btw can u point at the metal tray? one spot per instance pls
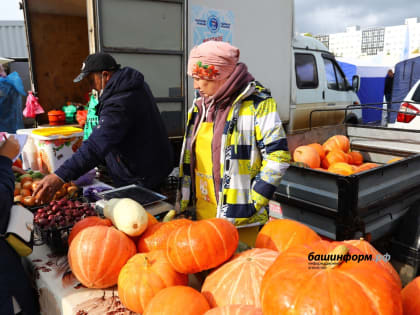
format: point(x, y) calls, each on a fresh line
point(140, 194)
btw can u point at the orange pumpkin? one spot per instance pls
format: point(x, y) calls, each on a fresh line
point(352, 287)
point(365, 167)
point(143, 276)
point(86, 222)
point(239, 280)
point(235, 310)
point(333, 157)
point(156, 236)
point(410, 297)
point(308, 155)
point(202, 245)
point(357, 157)
point(394, 160)
point(97, 254)
point(341, 169)
point(151, 220)
point(367, 248)
point(177, 300)
point(282, 234)
point(337, 142)
point(318, 148)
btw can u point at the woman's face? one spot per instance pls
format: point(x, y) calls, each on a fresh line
point(208, 87)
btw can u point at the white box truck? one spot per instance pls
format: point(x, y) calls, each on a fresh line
point(155, 37)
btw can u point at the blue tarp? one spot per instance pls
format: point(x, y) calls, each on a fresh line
point(372, 81)
point(11, 90)
point(407, 73)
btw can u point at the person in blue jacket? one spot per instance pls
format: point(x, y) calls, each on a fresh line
point(13, 281)
point(130, 138)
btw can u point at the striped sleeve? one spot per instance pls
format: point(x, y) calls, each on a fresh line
point(271, 137)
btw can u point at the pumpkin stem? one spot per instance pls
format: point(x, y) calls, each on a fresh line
point(339, 251)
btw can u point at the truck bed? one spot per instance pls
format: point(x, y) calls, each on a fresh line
point(371, 202)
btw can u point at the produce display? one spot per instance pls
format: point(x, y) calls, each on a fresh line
point(26, 184)
point(62, 213)
point(410, 297)
point(177, 300)
point(127, 215)
point(143, 276)
point(334, 156)
point(279, 235)
point(98, 253)
point(239, 280)
point(353, 287)
point(153, 263)
point(202, 245)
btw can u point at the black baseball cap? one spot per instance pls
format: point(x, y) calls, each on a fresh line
point(96, 63)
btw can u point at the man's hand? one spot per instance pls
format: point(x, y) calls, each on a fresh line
point(10, 148)
point(18, 170)
point(47, 187)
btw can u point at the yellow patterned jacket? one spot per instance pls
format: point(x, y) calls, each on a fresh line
point(253, 158)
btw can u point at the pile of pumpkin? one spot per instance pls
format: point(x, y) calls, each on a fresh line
point(151, 262)
point(333, 156)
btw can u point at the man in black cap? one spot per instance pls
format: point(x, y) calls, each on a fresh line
point(130, 137)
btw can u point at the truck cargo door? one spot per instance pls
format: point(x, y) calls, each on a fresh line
point(148, 36)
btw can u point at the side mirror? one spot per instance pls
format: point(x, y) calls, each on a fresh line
point(355, 83)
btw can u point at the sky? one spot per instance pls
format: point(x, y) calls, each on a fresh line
point(314, 16)
point(9, 10)
point(332, 16)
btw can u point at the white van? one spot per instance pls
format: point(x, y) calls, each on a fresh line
point(318, 84)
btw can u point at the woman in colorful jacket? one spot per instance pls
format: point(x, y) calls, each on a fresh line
point(235, 148)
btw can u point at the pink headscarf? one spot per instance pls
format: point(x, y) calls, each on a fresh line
point(213, 60)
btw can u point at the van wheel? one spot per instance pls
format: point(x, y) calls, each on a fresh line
point(351, 119)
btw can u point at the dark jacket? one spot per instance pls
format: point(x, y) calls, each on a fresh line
point(13, 281)
point(388, 85)
point(130, 137)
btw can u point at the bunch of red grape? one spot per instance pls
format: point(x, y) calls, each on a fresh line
point(62, 213)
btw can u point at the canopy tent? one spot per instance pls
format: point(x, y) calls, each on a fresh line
point(372, 81)
point(407, 73)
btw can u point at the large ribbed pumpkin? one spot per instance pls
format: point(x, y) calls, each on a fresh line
point(239, 280)
point(177, 300)
point(367, 248)
point(308, 155)
point(365, 167)
point(156, 236)
point(143, 276)
point(235, 310)
point(351, 287)
point(341, 169)
point(337, 142)
point(357, 158)
point(411, 297)
point(97, 254)
point(88, 221)
point(335, 156)
point(318, 148)
point(202, 245)
point(281, 234)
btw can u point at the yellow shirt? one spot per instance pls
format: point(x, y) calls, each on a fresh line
point(206, 206)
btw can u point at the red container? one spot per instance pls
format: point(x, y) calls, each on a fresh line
point(56, 117)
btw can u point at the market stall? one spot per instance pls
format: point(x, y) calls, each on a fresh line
point(59, 290)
